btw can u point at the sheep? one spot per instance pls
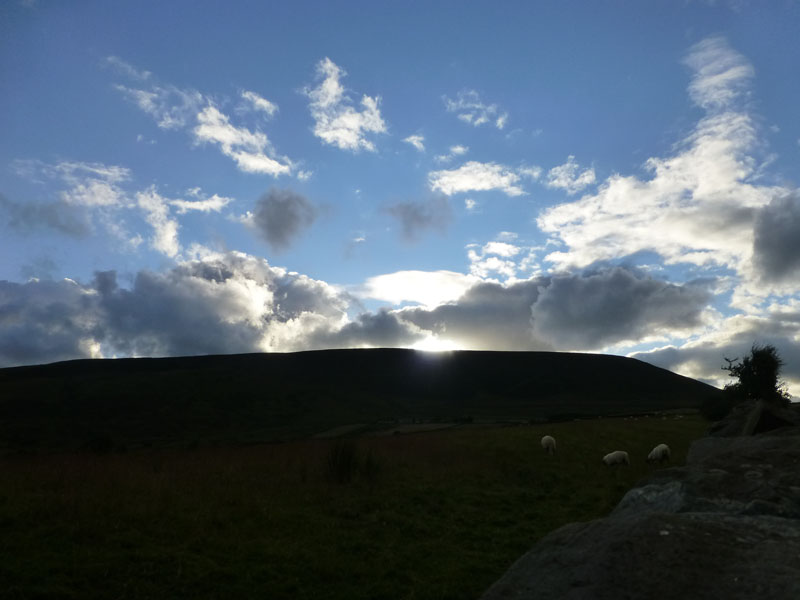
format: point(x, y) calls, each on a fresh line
point(618, 457)
point(659, 454)
point(549, 444)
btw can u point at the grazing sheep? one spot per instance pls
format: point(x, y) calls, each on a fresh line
point(659, 454)
point(549, 444)
point(618, 457)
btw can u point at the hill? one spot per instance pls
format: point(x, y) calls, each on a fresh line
point(270, 397)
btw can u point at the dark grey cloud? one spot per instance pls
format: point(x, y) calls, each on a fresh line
point(597, 309)
point(705, 360)
point(45, 321)
point(233, 302)
point(226, 304)
point(31, 216)
point(776, 243)
point(567, 312)
point(280, 216)
point(488, 316)
point(415, 218)
point(382, 329)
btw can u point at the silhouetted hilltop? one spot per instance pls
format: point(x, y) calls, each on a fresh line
point(262, 397)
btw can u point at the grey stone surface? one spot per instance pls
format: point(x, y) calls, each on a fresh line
point(726, 525)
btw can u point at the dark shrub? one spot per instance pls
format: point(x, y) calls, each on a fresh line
point(716, 408)
point(342, 461)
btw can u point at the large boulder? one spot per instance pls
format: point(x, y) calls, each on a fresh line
point(660, 555)
point(754, 417)
point(726, 525)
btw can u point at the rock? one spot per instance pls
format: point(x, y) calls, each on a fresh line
point(661, 555)
point(749, 418)
point(726, 525)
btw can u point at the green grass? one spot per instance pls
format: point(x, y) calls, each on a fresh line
point(434, 515)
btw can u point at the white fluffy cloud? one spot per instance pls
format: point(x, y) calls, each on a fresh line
point(698, 206)
point(720, 75)
point(336, 121)
point(127, 69)
point(568, 177)
point(259, 103)
point(417, 141)
point(454, 151)
point(156, 209)
point(469, 108)
point(213, 204)
point(493, 258)
point(171, 107)
point(476, 176)
point(428, 288)
point(176, 108)
point(250, 150)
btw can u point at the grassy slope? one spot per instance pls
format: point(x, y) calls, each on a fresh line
point(261, 397)
point(441, 516)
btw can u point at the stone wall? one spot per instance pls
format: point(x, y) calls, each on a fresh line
point(726, 525)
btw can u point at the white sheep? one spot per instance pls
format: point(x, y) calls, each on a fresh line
point(659, 454)
point(549, 444)
point(618, 457)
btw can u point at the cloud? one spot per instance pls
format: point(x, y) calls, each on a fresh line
point(488, 316)
point(703, 357)
point(476, 176)
point(493, 257)
point(219, 304)
point(336, 122)
point(569, 312)
point(91, 185)
point(470, 109)
point(94, 192)
point(721, 76)
point(280, 216)
point(697, 207)
point(260, 104)
point(429, 288)
point(28, 217)
point(171, 107)
point(417, 141)
point(215, 303)
point(176, 108)
point(776, 243)
point(454, 151)
point(415, 217)
point(233, 302)
point(156, 209)
point(594, 310)
point(126, 69)
point(566, 177)
point(382, 329)
point(501, 249)
point(251, 151)
point(45, 321)
point(213, 204)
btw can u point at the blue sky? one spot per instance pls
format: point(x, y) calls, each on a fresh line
point(202, 177)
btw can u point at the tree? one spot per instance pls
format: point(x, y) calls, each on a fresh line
point(758, 376)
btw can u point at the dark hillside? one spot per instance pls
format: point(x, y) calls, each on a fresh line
point(263, 397)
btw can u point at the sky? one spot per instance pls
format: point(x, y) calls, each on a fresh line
point(203, 177)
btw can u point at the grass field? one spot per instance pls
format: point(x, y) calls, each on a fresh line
point(430, 515)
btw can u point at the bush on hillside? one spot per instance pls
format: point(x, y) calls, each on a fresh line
point(758, 377)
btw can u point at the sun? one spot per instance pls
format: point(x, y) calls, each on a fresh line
point(434, 344)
